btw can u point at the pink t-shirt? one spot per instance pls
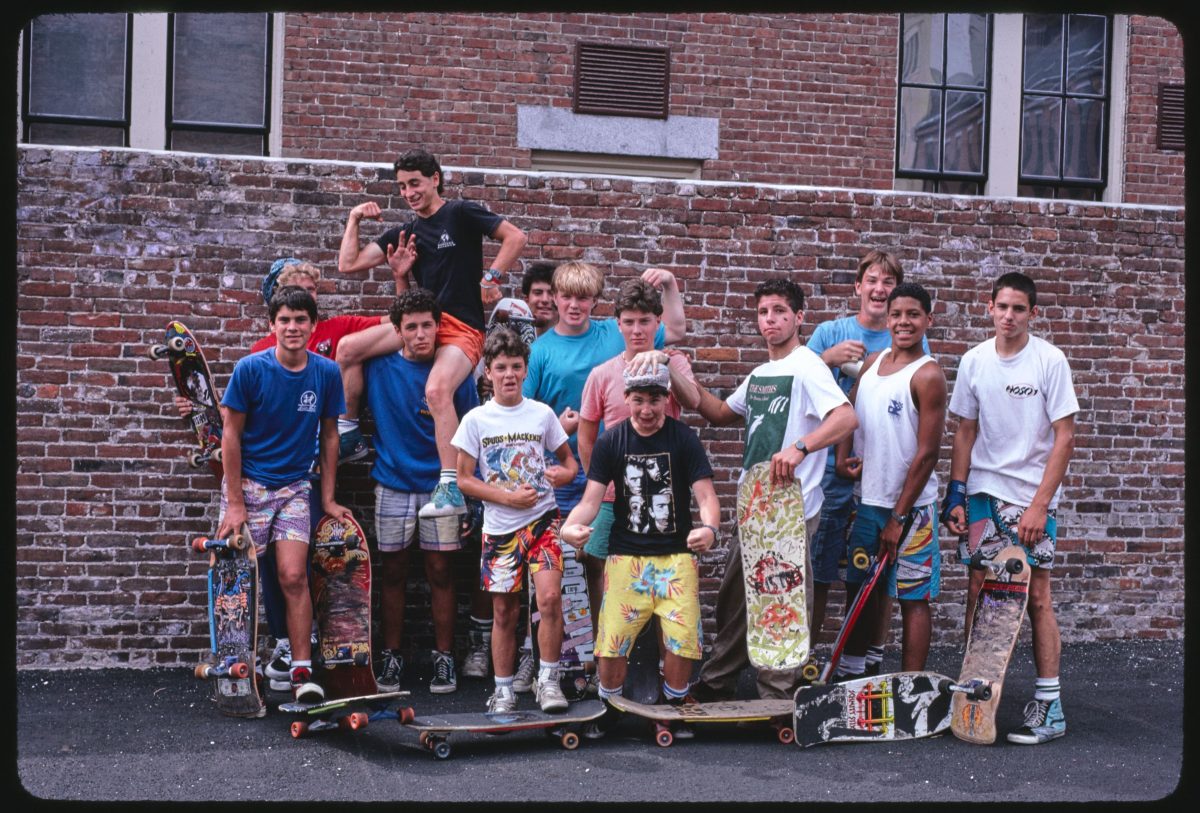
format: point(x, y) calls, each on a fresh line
point(604, 395)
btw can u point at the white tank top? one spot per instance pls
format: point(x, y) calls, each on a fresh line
point(888, 421)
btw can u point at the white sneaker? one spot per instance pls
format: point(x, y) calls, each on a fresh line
point(502, 700)
point(526, 674)
point(476, 664)
point(549, 694)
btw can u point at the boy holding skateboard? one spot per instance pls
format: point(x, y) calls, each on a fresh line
point(406, 471)
point(843, 344)
point(651, 568)
point(507, 438)
point(1016, 406)
point(793, 412)
point(900, 401)
point(442, 249)
point(274, 404)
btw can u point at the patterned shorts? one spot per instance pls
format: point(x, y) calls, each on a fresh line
point(274, 513)
point(637, 587)
point(506, 556)
point(992, 525)
point(396, 523)
point(917, 572)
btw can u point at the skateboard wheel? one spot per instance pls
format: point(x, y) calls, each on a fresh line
point(237, 541)
point(441, 750)
point(196, 460)
point(202, 671)
point(239, 670)
point(1014, 565)
point(664, 738)
point(357, 720)
point(786, 735)
point(860, 559)
point(570, 740)
point(216, 455)
point(406, 715)
point(157, 351)
point(177, 343)
point(299, 729)
point(810, 672)
point(423, 739)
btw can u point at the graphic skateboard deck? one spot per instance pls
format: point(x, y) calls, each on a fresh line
point(511, 313)
point(772, 534)
point(642, 679)
point(346, 712)
point(995, 624)
point(341, 590)
point(897, 706)
point(232, 589)
point(777, 712)
point(194, 382)
point(578, 636)
point(435, 730)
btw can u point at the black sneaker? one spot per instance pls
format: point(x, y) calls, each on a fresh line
point(389, 670)
point(279, 668)
point(444, 678)
point(703, 693)
point(872, 669)
point(351, 446)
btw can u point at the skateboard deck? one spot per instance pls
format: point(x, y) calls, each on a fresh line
point(578, 637)
point(194, 382)
point(435, 730)
point(772, 534)
point(346, 712)
point(642, 679)
point(897, 706)
point(511, 313)
point(995, 624)
point(776, 711)
point(341, 590)
point(232, 589)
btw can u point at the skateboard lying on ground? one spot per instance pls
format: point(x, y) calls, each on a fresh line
point(341, 591)
point(346, 712)
point(436, 729)
point(772, 534)
point(578, 638)
point(999, 609)
point(232, 588)
point(642, 679)
point(898, 706)
point(777, 712)
point(193, 380)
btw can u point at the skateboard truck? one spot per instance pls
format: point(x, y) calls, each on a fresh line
point(229, 667)
point(974, 689)
point(977, 562)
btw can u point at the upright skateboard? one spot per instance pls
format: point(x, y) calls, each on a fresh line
point(193, 380)
point(341, 590)
point(776, 712)
point(899, 706)
point(642, 679)
point(435, 730)
point(346, 712)
point(995, 623)
point(771, 529)
point(232, 588)
point(578, 638)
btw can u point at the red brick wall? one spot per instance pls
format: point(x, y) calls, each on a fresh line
point(113, 244)
point(1155, 58)
point(802, 99)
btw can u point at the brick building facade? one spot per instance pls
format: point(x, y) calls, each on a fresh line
point(113, 243)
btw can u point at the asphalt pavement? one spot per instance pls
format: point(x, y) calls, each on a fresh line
point(154, 735)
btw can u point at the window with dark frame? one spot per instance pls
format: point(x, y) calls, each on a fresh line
point(76, 79)
point(218, 83)
point(1065, 106)
point(622, 80)
point(943, 107)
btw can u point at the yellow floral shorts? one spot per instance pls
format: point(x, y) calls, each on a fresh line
point(637, 587)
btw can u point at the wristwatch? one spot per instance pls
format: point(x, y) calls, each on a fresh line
point(716, 533)
point(491, 277)
point(899, 517)
point(803, 449)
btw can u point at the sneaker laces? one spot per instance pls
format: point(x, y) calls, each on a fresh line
point(441, 667)
point(282, 647)
point(1035, 713)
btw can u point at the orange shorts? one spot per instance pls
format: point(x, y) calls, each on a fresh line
point(461, 335)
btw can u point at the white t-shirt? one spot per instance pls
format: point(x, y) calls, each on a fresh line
point(1015, 400)
point(887, 434)
point(782, 401)
point(510, 445)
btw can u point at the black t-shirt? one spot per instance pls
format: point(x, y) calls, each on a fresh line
point(450, 255)
point(652, 512)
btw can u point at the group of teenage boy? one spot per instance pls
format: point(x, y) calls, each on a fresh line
point(579, 440)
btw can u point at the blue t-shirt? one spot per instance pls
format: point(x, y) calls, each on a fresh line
point(283, 412)
point(559, 365)
point(406, 457)
point(827, 334)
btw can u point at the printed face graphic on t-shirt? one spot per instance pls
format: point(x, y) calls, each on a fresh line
point(647, 483)
point(515, 459)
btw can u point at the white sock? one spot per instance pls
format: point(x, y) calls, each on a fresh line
point(852, 665)
point(546, 669)
point(1046, 688)
point(346, 424)
point(448, 476)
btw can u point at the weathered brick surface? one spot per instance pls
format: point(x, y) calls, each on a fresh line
point(113, 244)
point(1155, 58)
